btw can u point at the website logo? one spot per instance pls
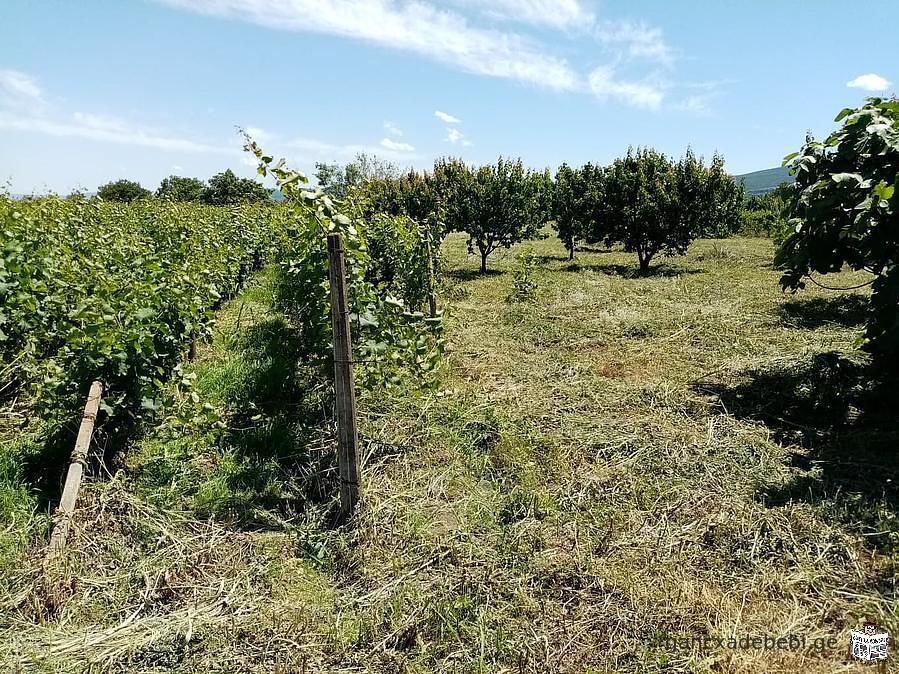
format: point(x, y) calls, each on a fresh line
point(869, 644)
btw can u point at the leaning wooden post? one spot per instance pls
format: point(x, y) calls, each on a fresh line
point(66, 507)
point(344, 385)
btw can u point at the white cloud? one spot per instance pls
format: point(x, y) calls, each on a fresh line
point(636, 40)
point(393, 129)
point(699, 96)
point(553, 13)
point(312, 148)
point(393, 145)
point(446, 117)
point(456, 137)
point(696, 105)
point(108, 129)
point(101, 122)
point(870, 82)
point(19, 89)
point(257, 134)
point(22, 108)
point(440, 34)
point(604, 85)
point(427, 28)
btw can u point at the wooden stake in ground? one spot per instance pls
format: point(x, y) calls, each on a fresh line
point(66, 507)
point(344, 385)
point(432, 299)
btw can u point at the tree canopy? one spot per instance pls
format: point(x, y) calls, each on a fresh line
point(226, 189)
point(123, 190)
point(412, 194)
point(497, 205)
point(640, 208)
point(845, 212)
point(336, 180)
point(577, 199)
point(178, 188)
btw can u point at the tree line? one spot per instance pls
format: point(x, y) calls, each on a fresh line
point(646, 201)
point(222, 189)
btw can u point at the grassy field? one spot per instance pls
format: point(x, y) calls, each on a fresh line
point(616, 461)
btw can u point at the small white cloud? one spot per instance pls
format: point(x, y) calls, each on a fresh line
point(314, 148)
point(696, 105)
point(101, 122)
point(869, 82)
point(456, 137)
point(393, 129)
point(636, 40)
point(446, 117)
point(257, 134)
point(604, 84)
point(395, 146)
point(177, 167)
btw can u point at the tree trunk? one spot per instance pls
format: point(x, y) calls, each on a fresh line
point(484, 261)
point(645, 259)
point(570, 249)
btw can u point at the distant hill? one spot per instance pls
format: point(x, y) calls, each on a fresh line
point(762, 182)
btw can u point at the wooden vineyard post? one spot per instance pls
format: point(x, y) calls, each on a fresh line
point(432, 299)
point(76, 471)
point(344, 385)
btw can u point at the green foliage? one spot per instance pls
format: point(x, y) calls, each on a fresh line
point(542, 185)
point(390, 340)
point(398, 247)
point(102, 290)
point(646, 201)
point(576, 204)
point(496, 205)
point(123, 190)
point(336, 181)
point(654, 205)
point(178, 188)
point(641, 206)
point(845, 211)
point(413, 194)
point(768, 214)
point(227, 189)
point(524, 287)
point(566, 207)
point(718, 211)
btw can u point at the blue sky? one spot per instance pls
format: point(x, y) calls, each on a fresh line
point(96, 90)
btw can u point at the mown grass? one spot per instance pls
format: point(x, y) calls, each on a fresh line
point(616, 460)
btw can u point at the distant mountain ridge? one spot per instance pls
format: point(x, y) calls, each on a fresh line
point(762, 182)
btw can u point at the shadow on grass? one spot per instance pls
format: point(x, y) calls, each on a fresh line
point(843, 416)
point(544, 259)
point(810, 313)
point(632, 271)
point(470, 274)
